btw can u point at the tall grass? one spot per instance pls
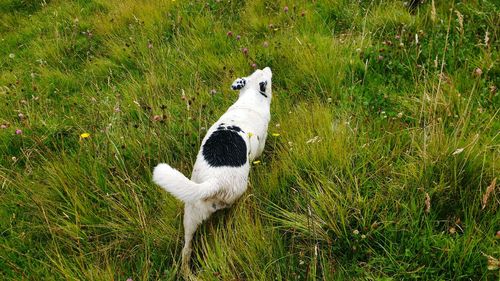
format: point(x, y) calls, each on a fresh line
point(383, 139)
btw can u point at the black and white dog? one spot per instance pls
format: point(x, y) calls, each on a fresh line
point(220, 173)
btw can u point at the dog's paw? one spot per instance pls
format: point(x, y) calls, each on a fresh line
point(238, 84)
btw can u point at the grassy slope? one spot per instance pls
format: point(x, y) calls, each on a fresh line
point(389, 114)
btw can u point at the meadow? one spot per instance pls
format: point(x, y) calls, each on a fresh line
point(382, 160)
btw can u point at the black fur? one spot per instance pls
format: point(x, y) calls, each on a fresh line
point(262, 90)
point(239, 84)
point(225, 148)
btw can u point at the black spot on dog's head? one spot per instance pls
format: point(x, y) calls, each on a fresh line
point(262, 88)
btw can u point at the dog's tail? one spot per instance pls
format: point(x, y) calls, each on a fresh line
point(181, 187)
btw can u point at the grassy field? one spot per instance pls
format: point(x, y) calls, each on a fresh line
point(382, 164)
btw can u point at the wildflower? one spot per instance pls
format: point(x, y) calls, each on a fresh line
point(157, 118)
point(245, 51)
point(21, 116)
point(355, 232)
point(489, 191)
point(493, 263)
point(380, 57)
point(11, 55)
point(497, 235)
point(275, 134)
point(303, 13)
point(329, 100)
point(452, 230)
point(363, 236)
point(427, 203)
point(278, 125)
point(238, 37)
point(254, 65)
point(493, 89)
point(150, 45)
point(265, 44)
point(229, 33)
point(117, 109)
point(19, 132)
point(3, 126)
point(84, 135)
point(256, 162)
point(213, 91)
point(130, 279)
point(285, 9)
point(400, 114)
point(478, 71)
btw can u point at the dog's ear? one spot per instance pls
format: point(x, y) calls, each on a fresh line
point(238, 84)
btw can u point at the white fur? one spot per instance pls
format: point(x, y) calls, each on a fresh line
point(214, 188)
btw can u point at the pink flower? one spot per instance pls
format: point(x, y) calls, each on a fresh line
point(254, 65)
point(19, 131)
point(238, 37)
point(245, 51)
point(285, 9)
point(3, 126)
point(229, 33)
point(129, 279)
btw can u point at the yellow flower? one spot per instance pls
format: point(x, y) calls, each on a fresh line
point(84, 135)
point(250, 134)
point(275, 135)
point(256, 162)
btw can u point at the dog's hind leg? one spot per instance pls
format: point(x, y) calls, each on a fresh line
point(192, 219)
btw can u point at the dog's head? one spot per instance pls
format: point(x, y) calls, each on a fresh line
point(258, 83)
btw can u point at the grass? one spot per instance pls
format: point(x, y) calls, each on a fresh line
point(388, 123)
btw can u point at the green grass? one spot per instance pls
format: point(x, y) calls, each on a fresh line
point(370, 124)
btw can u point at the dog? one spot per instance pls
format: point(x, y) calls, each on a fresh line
point(220, 173)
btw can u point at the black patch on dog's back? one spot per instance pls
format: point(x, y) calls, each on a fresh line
point(235, 128)
point(225, 148)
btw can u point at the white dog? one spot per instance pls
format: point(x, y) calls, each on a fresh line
point(220, 173)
